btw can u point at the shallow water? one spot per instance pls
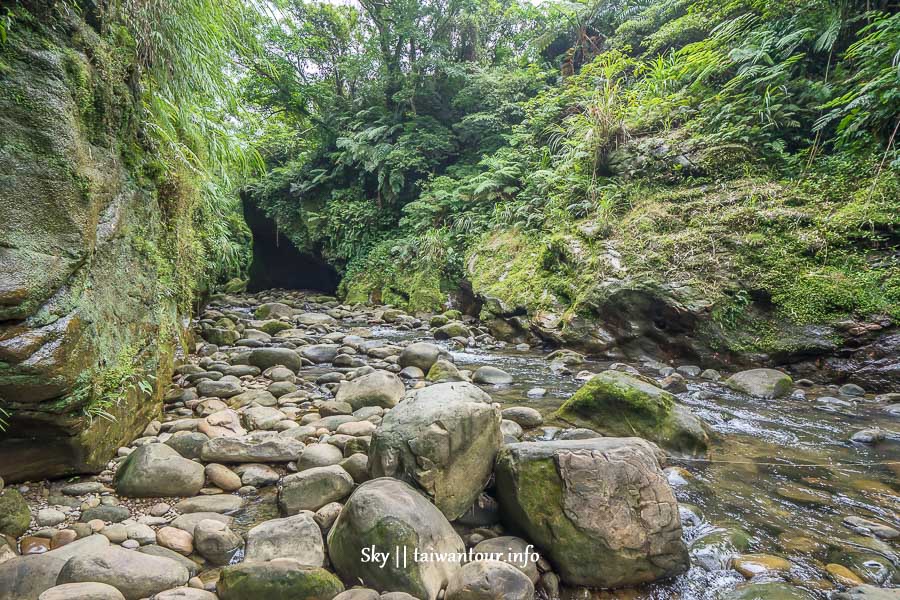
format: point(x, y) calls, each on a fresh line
point(783, 472)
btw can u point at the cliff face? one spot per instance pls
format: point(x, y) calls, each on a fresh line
point(86, 327)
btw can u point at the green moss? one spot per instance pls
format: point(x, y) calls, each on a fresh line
point(15, 517)
point(620, 404)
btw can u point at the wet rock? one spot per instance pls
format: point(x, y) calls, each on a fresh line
point(390, 514)
point(761, 383)
point(379, 388)
point(843, 576)
point(298, 537)
point(768, 591)
point(314, 488)
point(216, 542)
point(157, 470)
point(279, 580)
point(443, 439)
point(273, 310)
point(868, 436)
point(422, 355)
point(134, 574)
point(601, 510)
point(751, 565)
point(870, 527)
point(536, 392)
point(618, 404)
point(491, 376)
point(452, 330)
point(851, 389)
point(869, 592)
point(489, 580)
point(252, 449)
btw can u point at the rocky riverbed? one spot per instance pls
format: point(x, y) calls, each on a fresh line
point(313, 450)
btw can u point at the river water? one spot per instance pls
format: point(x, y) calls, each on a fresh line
point(780, 476)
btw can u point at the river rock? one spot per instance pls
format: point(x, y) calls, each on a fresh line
point(187, 523)
point(15, 516)
point(298, 537)
point(222, 423)
point(187, 443)
point(390, 514)
point(252, 448)
point(262, 417)
point(422, 355)
point(222, 477)
point(768, 591)
point(216, 542)
point(869, 592)
point(82, 591)
point(514, 551)
point(618, 404)
point(379, 388)
point(319, 455)
point(134, 574)
point(270, 357)
point(277, 581)
point(314, 488)
point(273, 310)
point(319, 353)
point(525, 416)
point(761, 383)
point(442, 371)
point(185, 593)
point(27, 577)
point(489, 580)
point(156, 470)
point(217, 503)
point(491, 376)
point(444, 440)
point(601, 510)
point(224, 388)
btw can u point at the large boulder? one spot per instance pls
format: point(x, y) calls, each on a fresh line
point(319, 353)
point(444, 440)
point(422, 355)
point(395, 519)
point(157, 470)
point(618, 404)
point(82, 591)
point(761, 383)
point(314, 488)
point(27, 577)
point(277, 581)
point(298, 537)
point(134, 574)
point(379, 388)
point(600, 509)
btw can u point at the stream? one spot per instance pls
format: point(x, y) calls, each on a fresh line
point(780, 476)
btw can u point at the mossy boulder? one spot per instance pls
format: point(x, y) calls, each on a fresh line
point(443, 370)
point(277, 581)
point(761, 383)
point(396, 519)
point(452, 330)
point(600, 510)
point(273, 326)
point(15, 517)
point(618, 404)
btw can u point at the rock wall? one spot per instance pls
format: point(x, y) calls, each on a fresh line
point(86, 325)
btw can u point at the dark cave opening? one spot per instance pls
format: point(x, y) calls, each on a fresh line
point(277, 263)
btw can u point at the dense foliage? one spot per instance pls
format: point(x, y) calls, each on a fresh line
point(417, 143)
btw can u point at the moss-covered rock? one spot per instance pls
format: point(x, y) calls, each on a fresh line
point(600, 510)
point(618, 404)
point(443, 370)
point(274, 581)
point(88, 315)
point(15, 517)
